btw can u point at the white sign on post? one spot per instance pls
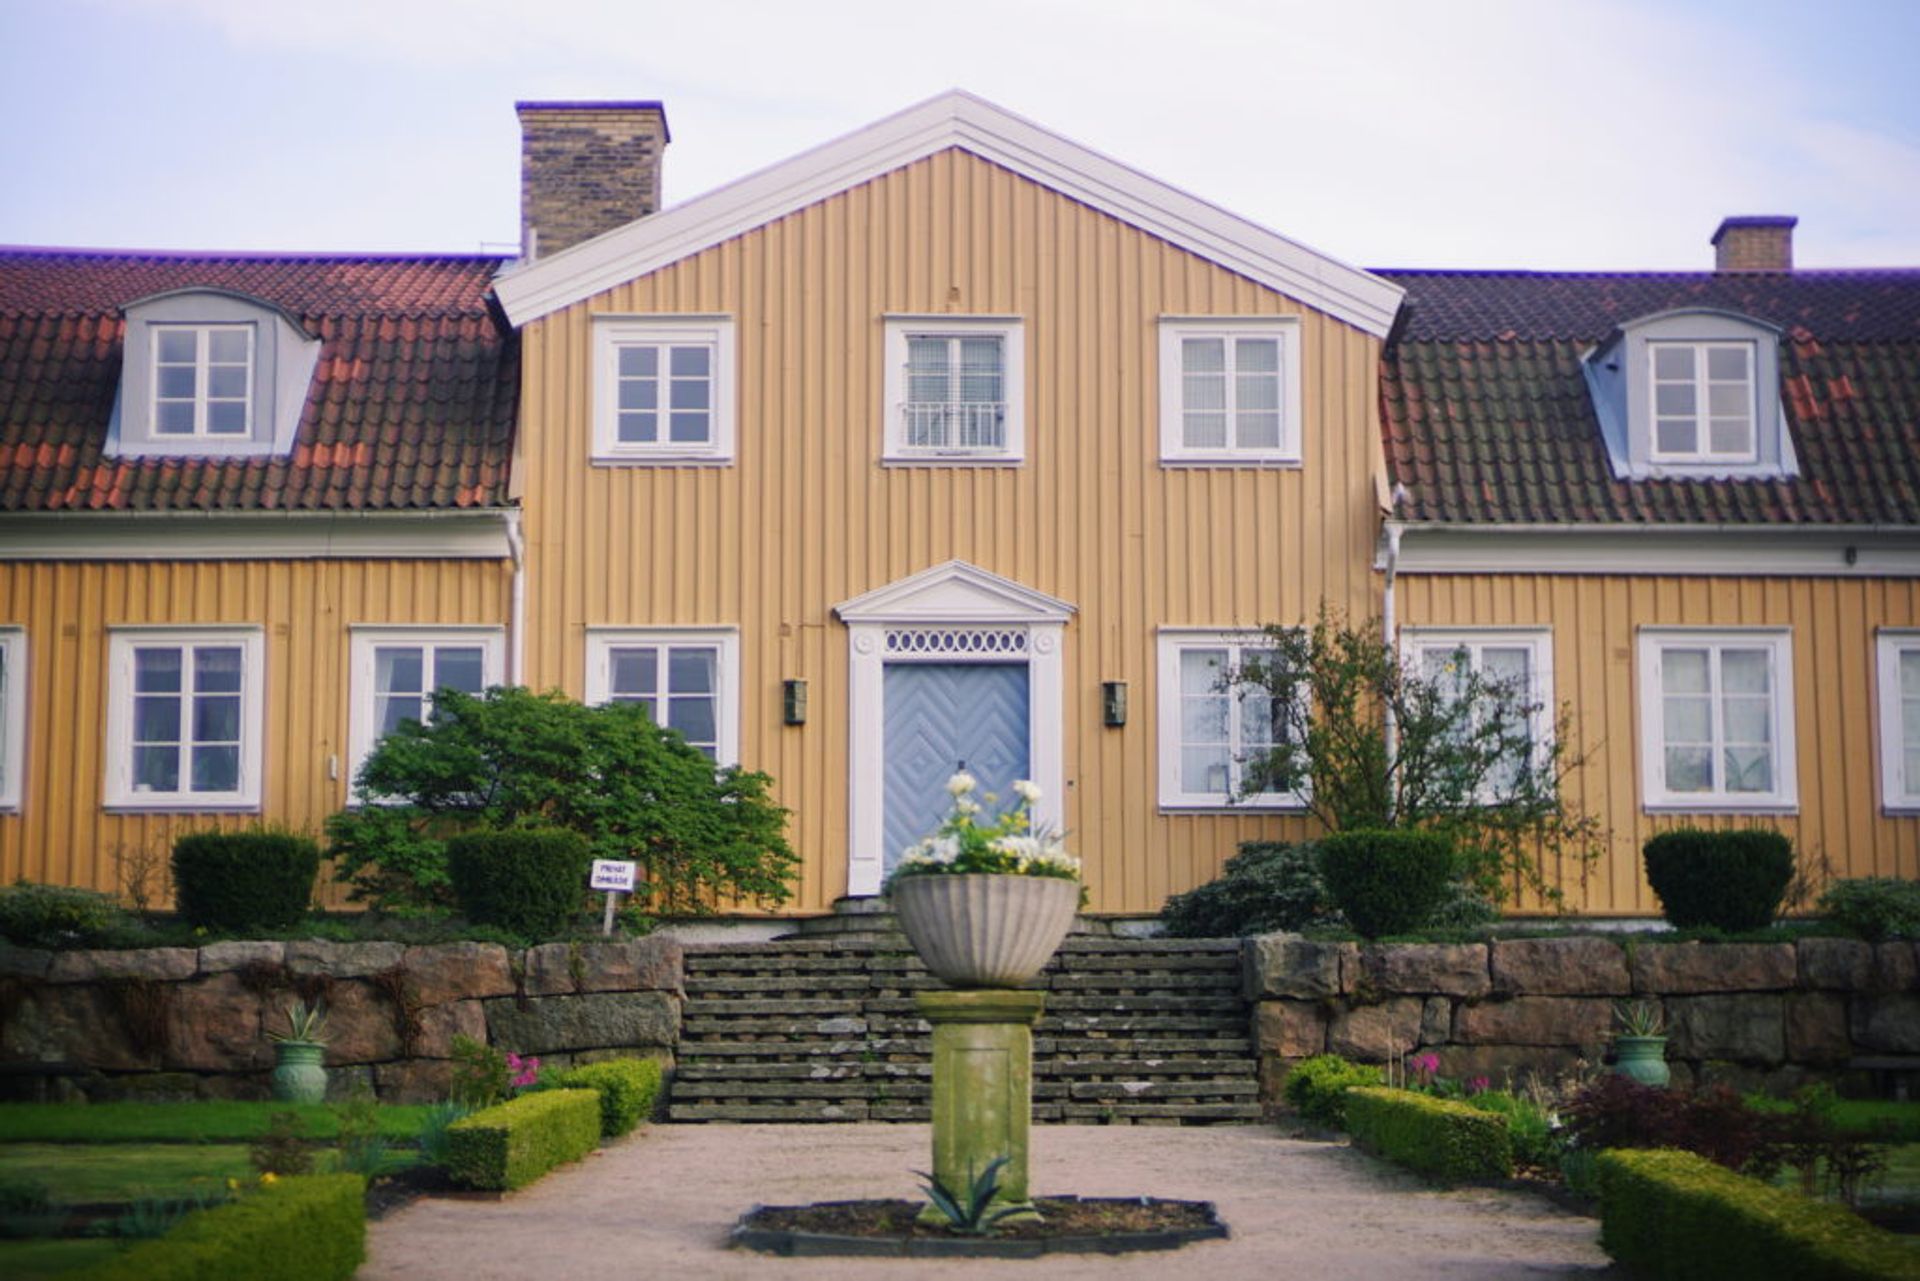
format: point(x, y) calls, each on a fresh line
point(615, 876)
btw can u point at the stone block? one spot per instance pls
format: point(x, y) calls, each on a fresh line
point(216, 1025)
point(1436, 1021)
point(218, 958)
point(1841, 965)
point(1747, 1029)
point(1745, 1078)
point(1887, 1024)
point(1817, 1028)
point(551, 969)
point(1560, 967)
point(593, 1021)
point(1290, 1029)
point(163, 964)
point(439, 1024)
point(1450, 969)
point(1894, 967)
point(360, 1025)
point(147, 1087)
point(72, 1023)
point(1508, 1065)
point(458, 971)
point(342, 960)
point(1535, 1020)
point(344, 1083)
point(1374, 1033)
point(651, 964)
point(23, 962)
point(413, 1080)
point(1666, 969)
point(1286, 965)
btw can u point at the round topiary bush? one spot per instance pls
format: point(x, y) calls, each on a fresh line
point(531, 880)
point(56, 916)
point(1266, 887)
point(258, 879)
point(1387, 882)
point(1731, 881)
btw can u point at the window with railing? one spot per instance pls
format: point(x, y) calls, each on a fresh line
point(953, 390)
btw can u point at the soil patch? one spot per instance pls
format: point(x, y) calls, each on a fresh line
point(1073, 1225)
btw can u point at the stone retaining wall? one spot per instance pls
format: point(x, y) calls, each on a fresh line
point(192, 1022)
point(1754, 1015)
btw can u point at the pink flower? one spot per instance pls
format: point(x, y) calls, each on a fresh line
point(1479, 1085)
point(526, 1071)
point(1427, 1066)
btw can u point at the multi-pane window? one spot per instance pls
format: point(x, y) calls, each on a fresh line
point(1703, 400)
point(686, 679)
point(1229, 390)
point(13, 714)
point(202, 380)
point(184, 718)
point(1514, 666)
point(1899, 673)
point(953, 390)
point(1717, 719)
point(663, 389)
point(397, 670)
point(1211, 729)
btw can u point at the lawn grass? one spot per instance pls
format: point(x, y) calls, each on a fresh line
point(83, 1173)
point(211, 1122)
point(33, 1260)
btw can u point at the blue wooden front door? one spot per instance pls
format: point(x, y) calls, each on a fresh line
point(939, 715)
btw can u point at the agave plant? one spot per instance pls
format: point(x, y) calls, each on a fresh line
point(1639, 1018)
point(975, 1215)
point(305, 1023)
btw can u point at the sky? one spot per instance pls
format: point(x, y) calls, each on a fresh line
point(1546, 134)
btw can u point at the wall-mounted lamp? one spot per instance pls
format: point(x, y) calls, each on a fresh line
point(1113, 702)
point(793, 701)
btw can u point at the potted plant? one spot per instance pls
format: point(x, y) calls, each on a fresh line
point(1640, 1046)
point(986, 903)
point(299, 1070)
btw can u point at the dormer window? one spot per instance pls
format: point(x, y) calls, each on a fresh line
point(202, 380)
point(1703, 408)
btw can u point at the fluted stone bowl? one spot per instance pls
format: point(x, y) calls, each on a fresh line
point(983, 930)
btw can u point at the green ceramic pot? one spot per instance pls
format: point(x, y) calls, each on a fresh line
point(299, 1072)
point(1642, 1059)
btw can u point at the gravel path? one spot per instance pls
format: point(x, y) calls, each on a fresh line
point(658, 1204)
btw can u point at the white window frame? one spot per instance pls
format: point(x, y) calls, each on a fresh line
point(602, 641)
point(610, 334)
point(1778, 641)
point(13, 717)
point(1172, 642)
point(121, 643)
point(1012, 332)
point(1889, 644)
point(1537, 640)
point(365, 638)
point(1174, 331)
point(203, 387)
point(1702, 417)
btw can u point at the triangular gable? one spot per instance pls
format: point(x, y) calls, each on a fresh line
point(955, 592)
point(954, 119)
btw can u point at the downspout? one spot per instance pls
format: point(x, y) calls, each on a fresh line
point(517, 626)
point(1389, 631)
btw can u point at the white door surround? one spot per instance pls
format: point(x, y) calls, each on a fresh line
point(950, 613)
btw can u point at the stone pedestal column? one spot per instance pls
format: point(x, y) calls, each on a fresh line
point(982, 1084)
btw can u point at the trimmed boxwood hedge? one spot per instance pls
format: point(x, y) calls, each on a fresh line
point(1666, 1213)
point(301, 1228)
point(1318, 1086)
point(531, 880)
point(511, 1144)
point(1731, 880)
point(1442, 1138)
point(627, 1089)
point(249, 880)
point(1388, 881)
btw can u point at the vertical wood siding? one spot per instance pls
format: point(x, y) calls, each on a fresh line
point(1595, 620)
point(60, 833)
point(807, 516)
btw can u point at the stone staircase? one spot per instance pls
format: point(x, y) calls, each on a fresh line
point(1147, 1031)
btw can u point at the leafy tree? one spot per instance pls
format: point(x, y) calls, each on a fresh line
point(633, 789)
point(1384, 744)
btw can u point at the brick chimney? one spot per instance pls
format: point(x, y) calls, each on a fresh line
point(1762, 242)
point(585, 168)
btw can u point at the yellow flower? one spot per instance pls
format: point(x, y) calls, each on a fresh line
point(269, 1177)
point(233, 1185)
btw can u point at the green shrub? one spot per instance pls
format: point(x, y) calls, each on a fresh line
point(1317, 1087)
point(511, 1144)
point(258, 879)
point(1731, 881)
point(57, 916)
point(1442, 1138)
point(307, 1228)
point(1874, 907)
point(1269, 886)
point(627, 1089)
point(530, 880)
point(1673, 1214)
point(1387, 882)
point(1528, 1126)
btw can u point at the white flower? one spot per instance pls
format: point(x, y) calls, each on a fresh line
point(942, 849)
point(962, 783)
point(1029, 791)
point(966, 807)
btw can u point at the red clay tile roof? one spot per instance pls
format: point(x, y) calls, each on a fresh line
point(412, 404)
point(1488, 419)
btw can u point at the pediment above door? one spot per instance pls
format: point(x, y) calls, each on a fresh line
point(956, 592)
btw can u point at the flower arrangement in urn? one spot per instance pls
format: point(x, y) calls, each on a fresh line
point(986, 902)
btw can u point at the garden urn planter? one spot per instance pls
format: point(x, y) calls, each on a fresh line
point(299, 1072)
point(982, 929)
point(1642, 1059)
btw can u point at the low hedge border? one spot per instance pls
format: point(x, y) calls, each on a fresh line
point(1666, 1213)
point(511, 1144)
point(300, 1228)
point(1441, 1138)
point(627, 1087)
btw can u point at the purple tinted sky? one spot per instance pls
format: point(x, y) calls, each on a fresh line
point(1474, 133)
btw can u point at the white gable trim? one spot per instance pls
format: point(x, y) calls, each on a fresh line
point(953, 119)
point(1798, 551)
point(956, 592)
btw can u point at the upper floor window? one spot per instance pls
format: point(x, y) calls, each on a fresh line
point(1515, 667)
point(1211, 729)
point(1899, 673)
point(1230, 390)
point(1703, 407)
point(954, 389)
point(688, 679)
point(202, 379)
point(396, 671)
point(1716, 719)
point(663, 389)
point(13, 715)
point(184, 718)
